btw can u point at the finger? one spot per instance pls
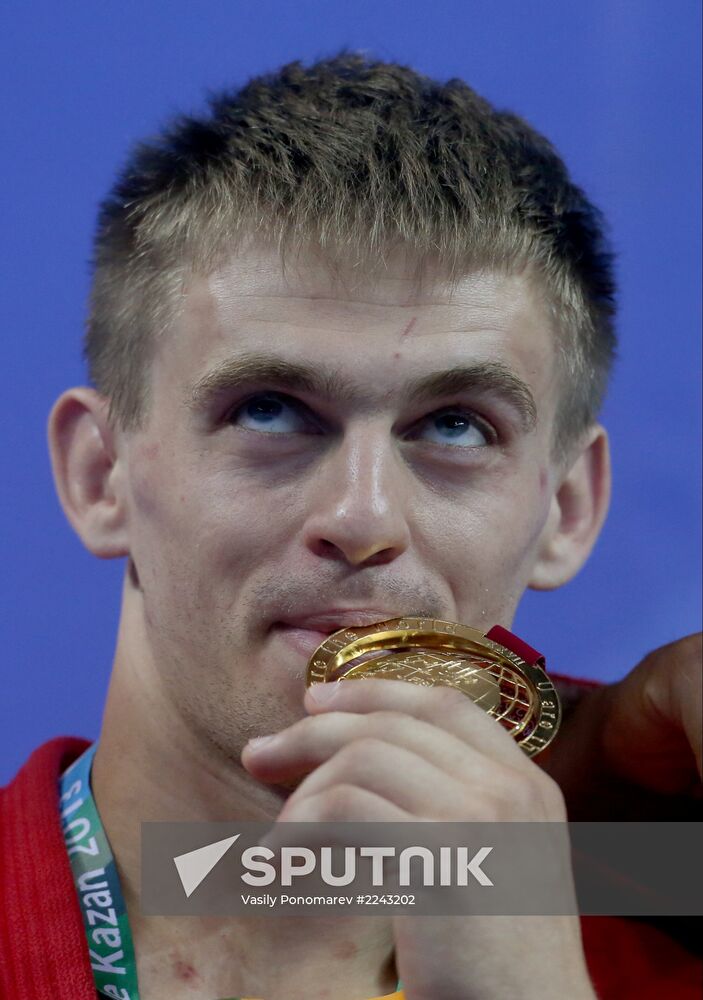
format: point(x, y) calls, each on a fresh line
point(310, 742)
point(678, 694)
point(395, 775)
point(442, 706)
point(340, 804)
point(653, 732)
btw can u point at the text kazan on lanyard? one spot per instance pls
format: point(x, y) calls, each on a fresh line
point(97, 883)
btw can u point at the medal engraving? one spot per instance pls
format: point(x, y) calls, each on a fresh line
point(517, 694)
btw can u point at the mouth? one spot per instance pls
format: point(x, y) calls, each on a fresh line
point(303, 640)
point(306, 635)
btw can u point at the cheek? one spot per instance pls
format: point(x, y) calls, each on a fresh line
point(160, 496)
point(488, 543)
point(159, 516)
point(195, 524)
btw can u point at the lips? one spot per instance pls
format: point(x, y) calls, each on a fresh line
point(306, 632)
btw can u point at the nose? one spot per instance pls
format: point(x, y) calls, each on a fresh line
point(358, 512)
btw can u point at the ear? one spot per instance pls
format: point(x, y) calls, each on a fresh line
point(87, 471)
point(579, 506)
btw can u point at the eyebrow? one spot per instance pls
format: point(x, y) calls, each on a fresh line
point(326, 383)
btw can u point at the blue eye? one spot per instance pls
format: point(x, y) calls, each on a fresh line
point(274, 413)
point(463, 429)
point(266, 412)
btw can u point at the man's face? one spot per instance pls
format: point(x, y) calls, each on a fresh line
point(258, 504)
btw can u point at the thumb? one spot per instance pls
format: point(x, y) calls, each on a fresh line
point(654, 731)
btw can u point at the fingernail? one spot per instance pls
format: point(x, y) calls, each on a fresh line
point(323, 693)
point(256, 742)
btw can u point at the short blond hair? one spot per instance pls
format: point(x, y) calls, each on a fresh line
point(354, 157)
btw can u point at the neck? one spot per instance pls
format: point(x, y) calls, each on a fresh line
point(150, 766)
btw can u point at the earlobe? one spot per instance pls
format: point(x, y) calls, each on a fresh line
point(578, 510)
point(87, 471)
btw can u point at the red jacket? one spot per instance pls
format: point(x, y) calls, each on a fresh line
point(44, 952)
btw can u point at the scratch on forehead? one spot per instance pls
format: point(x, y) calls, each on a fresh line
point(408, 328)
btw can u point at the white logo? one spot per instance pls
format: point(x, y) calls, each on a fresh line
point(196, 865)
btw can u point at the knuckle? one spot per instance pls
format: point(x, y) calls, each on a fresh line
point(303, 726)
point(489, 809)
point(363, 749)
point(552, 797)
point(526, 797)
point(522, 796)
point(389, 717)
point(337, 803)
point(449, 698)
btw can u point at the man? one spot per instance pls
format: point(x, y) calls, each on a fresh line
point(348, 339)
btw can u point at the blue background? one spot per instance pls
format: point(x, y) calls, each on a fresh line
point(614, 83)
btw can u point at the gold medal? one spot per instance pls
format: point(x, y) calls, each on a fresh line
point(515, 692)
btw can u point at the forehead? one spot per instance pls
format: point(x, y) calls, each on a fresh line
point(375, 328)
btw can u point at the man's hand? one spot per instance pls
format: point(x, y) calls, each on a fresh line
point(384, 750)
point(633, 749)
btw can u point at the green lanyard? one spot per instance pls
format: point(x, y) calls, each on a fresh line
point(97, 884)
